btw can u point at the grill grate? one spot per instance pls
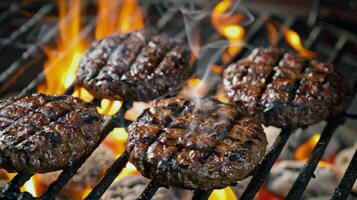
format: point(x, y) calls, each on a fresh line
point(13, 73)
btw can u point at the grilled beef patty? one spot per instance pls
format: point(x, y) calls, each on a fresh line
point(41, 133)
point(138, 66)
point(195, 144)
point(283, 89)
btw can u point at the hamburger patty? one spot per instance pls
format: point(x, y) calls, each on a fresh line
point(138, 66)
point(41, 133)
point(283, 89)
point(195, 144)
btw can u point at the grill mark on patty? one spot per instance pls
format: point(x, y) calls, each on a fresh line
point(146, 65)
point(301, 92)
point(167, 123)
point(298, 81)
point(269, 79)
point(131, 61)
point(198, 139)
point(34, 136)
point(145, 53)
point(102, 44)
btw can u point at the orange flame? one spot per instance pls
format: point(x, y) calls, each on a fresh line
point(272, 33)
point(61, 66)
point(226, 25)
point(304, 151)
point(118, 16)
point(128, 170)
point(116, 140)
point(32, 185)
point(223, 194)
point(294, 41)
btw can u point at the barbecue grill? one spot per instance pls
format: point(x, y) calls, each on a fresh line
point(28, 54)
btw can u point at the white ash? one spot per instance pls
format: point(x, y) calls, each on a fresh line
point(342, 160)
point(130, 188)
point(284, 174)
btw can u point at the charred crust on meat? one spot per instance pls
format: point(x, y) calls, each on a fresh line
point(195, 143)
point(286, 90)
point(138, 66)
point(45, 133)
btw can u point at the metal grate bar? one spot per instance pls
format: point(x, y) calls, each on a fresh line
point(29, 24)
point(201, 194)
point(149, 191)
point(109, 177)
point(308, 171)
point(41, 77)
point(314, 34)
point(344, 188)
point(340, 44)
point(266, 164)
point(16, 183)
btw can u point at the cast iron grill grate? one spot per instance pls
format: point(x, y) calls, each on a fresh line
point(254, 32)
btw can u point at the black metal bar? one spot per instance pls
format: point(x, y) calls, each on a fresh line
point(201, 194)
point(70, 89)
point(266, 164)
point(29, 24)
point(351, 115)
point(313, 35)
point(314, 13)
point(308, 171)
point(340, 44)
point(17, 182)
point(41, 77)
point(149, 191)
point(344, 188)
point(109, 177)
point(30, 53)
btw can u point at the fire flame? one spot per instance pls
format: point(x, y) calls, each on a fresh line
point(223, 194)
point(118, 16)
point(226, 24)
point(116, 140)
point(294, 41)
point(304, 151)
point(60, 68)
point(31, 186)
point(272, 33)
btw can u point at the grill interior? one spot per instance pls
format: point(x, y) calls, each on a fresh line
point(21, 72)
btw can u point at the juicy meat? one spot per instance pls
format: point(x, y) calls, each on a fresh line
point(41, 133)
point(130, 187)
point(138, 66)
point(286, 90)
point(195, 144)
point(87, 176)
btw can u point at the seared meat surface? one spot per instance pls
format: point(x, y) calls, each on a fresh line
point(138, 66)
point(195, 143)
point(283, 89)
point(41, 133)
